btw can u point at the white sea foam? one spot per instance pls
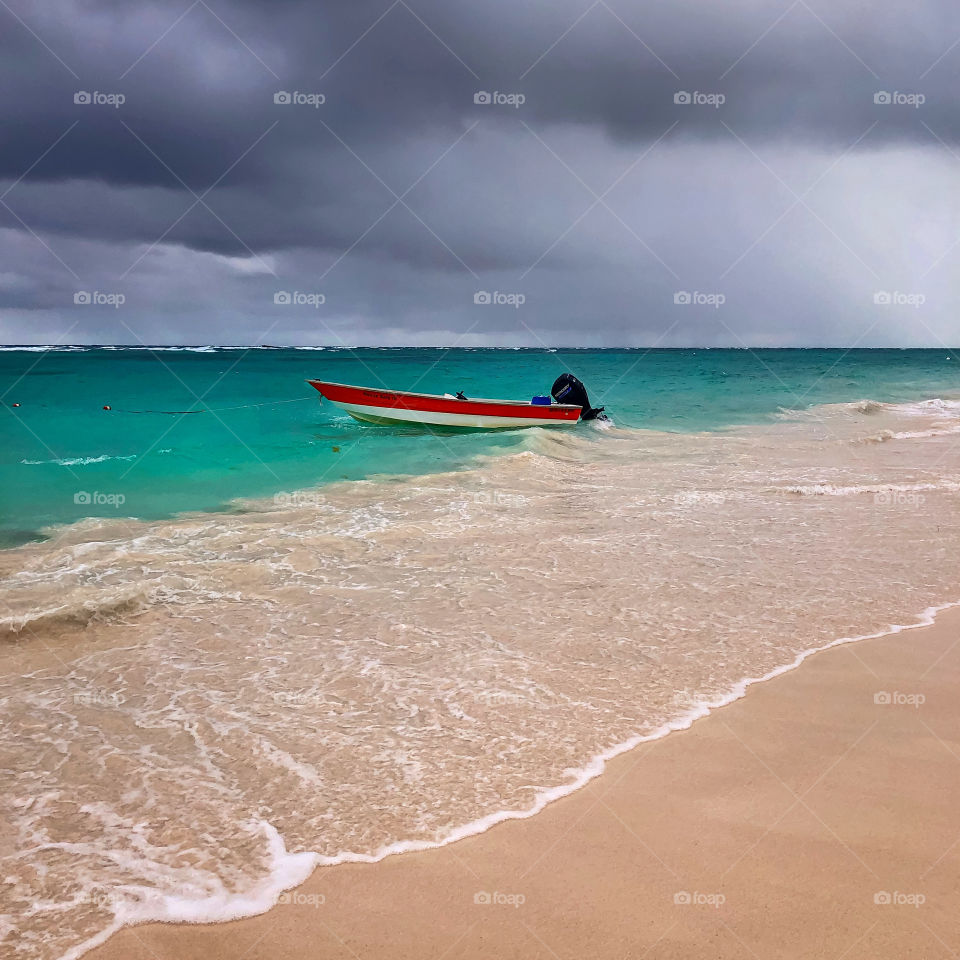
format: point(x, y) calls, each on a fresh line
point(213, 903)
point(941, 430)
point(935, 406)
point(52, 348)
point(79, 461)
point(839, 490)
point(209, 348)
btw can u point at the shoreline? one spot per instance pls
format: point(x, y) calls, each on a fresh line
point(180, 939)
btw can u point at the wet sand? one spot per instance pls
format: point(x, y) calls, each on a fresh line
point(808, 819)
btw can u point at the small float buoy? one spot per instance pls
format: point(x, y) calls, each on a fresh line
point(106, 406)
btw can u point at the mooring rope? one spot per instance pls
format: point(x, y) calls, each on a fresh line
point(242, 406)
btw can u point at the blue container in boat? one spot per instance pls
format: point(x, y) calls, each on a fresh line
point(541, 401)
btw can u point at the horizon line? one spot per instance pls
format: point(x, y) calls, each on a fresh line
point(444, 346)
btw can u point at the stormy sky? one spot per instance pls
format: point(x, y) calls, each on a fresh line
point(692, 172)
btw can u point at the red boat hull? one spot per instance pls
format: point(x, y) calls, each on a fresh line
point(397, 406)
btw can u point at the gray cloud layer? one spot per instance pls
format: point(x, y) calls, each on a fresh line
point(799, 199)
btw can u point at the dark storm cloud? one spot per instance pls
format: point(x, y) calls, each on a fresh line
point(404, 196)
point(204, 94)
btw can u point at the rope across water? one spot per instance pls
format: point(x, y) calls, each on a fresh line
point(242, 406)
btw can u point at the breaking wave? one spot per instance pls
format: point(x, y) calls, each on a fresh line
point(79, 461)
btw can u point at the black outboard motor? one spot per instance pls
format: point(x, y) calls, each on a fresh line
point(568, 389)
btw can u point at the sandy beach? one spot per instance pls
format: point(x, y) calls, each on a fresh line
point(815, 817)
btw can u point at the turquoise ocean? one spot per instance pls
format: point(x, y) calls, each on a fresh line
point(196, 428)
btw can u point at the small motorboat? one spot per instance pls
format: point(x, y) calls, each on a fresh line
point(373, 405)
